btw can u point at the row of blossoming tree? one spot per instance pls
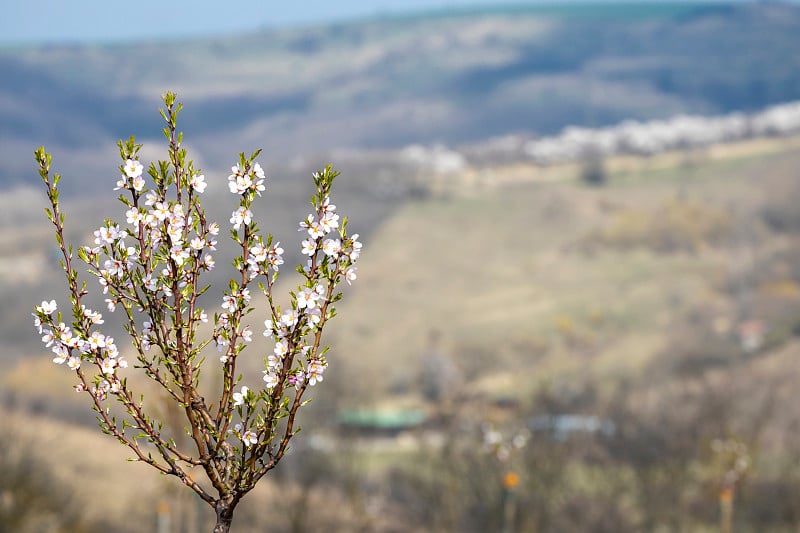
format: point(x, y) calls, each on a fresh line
point(151, 271)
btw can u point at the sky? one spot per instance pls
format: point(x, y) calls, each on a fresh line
point(58, 21)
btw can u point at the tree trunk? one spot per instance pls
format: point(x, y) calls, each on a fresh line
point(224, 517)
point(223, 525)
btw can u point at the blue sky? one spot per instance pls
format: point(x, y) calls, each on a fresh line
point(48, 21)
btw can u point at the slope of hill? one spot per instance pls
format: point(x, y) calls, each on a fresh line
point(542, 279)
point(675, 284)
point(448, 76)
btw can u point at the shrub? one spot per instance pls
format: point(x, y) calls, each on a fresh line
point(151, 272)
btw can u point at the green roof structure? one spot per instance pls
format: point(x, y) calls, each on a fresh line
point(387, 420)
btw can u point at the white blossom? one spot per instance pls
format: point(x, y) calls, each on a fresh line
point(271, 379)
point(198, 183)
point(350, 275)
point(48, 308)
point(332, 247)
point(241, 216)
point(133, 168)
point(240, 397)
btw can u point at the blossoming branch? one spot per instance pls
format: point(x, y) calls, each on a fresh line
point(150, 270)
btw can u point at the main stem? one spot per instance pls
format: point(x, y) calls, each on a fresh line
point(224, 513)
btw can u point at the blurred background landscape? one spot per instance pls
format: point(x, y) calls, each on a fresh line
point(578, 307)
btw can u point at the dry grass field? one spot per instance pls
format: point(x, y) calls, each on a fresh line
point(538, 280)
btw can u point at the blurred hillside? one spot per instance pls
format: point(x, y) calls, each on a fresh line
point(581, 265)
point(665, 302)
point(448, 77)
